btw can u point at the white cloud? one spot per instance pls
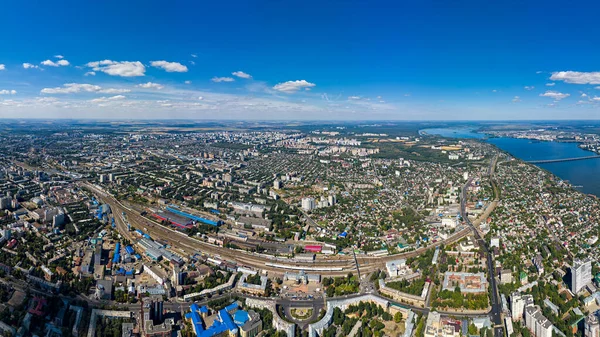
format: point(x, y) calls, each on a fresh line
point(241, 74)
point(150, 85)
point(596, 99)
point(73, 88)
point(551, 84)
point(188, 82)
point(354, 97)
point(90, 73)
point(597, 88)
point(200, 98)
point(194, 55)
point(527, 87)
point(29, 66)
point(8, 92)
point(555, 95)
point(59, 63)
point(114, 91)
point(108, 99)
point(170, 67)
point(59, 56)
point(516, 99)
point(494, 90)
point(121, 68)
point(2, 67)
point(584, 95)
point(293, 86)
point(577, 77)
point(222, 79)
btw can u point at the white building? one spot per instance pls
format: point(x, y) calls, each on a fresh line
point(581, 274)
point(395, 267)
point(592, 326)
point(495, 242)
point(539, 325)
point(332, 199)
point(518, 303)
point(449, 222)
point(308, 204)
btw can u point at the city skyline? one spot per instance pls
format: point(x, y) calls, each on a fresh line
point(309, 61)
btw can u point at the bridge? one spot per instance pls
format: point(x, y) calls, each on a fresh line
point(562, 159)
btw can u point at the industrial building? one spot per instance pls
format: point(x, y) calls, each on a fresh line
point(230, 321)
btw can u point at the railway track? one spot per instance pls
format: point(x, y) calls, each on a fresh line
point(188, 246)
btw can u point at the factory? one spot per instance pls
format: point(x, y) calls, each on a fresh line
point(156, 251)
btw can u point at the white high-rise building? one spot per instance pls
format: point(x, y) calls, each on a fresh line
point(332, 199)
point(581, 274)
point(592, 326)
point(517, 305)
point(539, 325)
point(308, 204)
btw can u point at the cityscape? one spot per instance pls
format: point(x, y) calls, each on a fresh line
point(319, 230)
point(299, 169)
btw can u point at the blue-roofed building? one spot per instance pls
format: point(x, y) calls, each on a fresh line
point(193, 217)
point(240, 317)
point(117, 255)
point(228, 322)
point(129, 250)
point(224, 324)
point(231, 307)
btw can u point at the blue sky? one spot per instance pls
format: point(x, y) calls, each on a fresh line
point(405, 60)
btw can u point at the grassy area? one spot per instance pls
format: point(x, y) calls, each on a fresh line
point(413, 288)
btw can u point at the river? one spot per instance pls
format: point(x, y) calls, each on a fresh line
point(579, 173)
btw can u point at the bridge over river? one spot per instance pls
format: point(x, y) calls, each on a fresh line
point(562, 159)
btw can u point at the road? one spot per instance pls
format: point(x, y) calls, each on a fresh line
point(496, 310)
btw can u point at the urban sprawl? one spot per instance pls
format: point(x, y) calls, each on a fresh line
point(323, 232)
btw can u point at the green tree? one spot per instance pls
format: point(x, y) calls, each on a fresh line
point(472, 329)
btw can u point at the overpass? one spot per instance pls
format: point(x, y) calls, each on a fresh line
point(547, 161)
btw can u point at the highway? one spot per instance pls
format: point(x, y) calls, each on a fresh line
point(496, 304)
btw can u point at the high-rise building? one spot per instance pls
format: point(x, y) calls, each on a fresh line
point(581, 274)
point(103, 178)
point(539, 325)
point(5, 202)
point(332, 199)
point(517, 305)
point(308, 204)
point(592, 326)
point(153, 309)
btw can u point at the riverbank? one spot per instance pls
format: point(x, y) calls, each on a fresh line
point(581, 174)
